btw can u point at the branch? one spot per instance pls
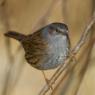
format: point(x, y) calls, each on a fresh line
point(84, 35)
point(75, 50)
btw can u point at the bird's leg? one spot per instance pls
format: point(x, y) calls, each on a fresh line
point(47, 81)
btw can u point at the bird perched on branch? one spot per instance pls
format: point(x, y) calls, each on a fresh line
point(46, 48)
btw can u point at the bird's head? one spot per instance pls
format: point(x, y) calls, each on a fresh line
point(58, 29)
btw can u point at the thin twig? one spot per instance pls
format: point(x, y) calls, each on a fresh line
point(84, 69)
point(55, 76)
point(74, 50)
point(84, 35)
point(69, 72)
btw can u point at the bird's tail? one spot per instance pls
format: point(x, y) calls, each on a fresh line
point(15, 35)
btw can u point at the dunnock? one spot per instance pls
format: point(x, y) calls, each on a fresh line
point(46, 48)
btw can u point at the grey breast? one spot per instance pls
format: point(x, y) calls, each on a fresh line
point(57, 53)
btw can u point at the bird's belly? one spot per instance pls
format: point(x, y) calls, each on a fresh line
point(56, 55)
point(52, 61)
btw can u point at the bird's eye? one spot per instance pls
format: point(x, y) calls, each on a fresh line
point(57, 31)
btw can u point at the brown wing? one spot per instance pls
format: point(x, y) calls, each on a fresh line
point(36, 47)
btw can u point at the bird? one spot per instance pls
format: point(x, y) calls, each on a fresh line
point(47, 48)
